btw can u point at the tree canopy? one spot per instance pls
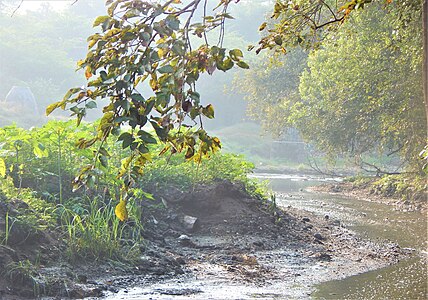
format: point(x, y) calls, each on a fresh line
point(364, 93)
point(359, 91)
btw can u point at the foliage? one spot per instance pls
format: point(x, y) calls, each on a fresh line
point(359, 180)
point(402, 186)
point(360, 92)
point(87, 218)
point(143, 61)
point(37, 215)
point(407, 187)
point(424, 156)
point(93, 231)
point(24, 272)
point(272, 91)
point(175, 171)
point(306, 23)
point(43, 158)
point(365, 93)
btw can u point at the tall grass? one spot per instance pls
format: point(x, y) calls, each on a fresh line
point(93, 232)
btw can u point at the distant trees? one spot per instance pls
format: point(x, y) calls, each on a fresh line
point(39, 49)
point(361, 90)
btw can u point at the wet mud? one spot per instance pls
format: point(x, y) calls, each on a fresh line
point(243, 248)
point(217, 242)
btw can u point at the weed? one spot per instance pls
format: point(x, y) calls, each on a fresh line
point(272, 203)
point(95, 233)
point(402, 186)
point(176, 171)
point(8, 228)
point(24, 273)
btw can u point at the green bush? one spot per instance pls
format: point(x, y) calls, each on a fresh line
point(46, 160)
point(404, 186)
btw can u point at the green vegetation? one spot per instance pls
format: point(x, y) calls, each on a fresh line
point(39, 165)
point(24, 272)
point(400, 186)
point(93, 232)
point(355, 91)
point(364, 94)
point(413, 188)
point(143, 60)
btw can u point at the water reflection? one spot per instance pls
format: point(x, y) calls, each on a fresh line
point(405, 280)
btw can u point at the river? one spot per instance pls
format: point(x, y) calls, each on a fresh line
point(371, 220)
point(405, 280)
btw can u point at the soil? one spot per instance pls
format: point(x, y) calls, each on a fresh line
point(214, 231)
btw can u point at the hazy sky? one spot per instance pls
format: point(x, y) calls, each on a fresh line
point(25, 5)
point(36, 4)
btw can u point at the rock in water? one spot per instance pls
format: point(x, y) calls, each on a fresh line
point(318, 236)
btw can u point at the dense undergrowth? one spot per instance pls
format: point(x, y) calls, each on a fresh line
point(407, 187)
point(37, 168)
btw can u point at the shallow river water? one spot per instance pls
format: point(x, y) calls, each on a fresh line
point(405, 280)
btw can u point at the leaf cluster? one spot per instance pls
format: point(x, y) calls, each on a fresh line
point(143, 61)
point(305, 23)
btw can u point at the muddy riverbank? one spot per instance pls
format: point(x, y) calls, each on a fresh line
point(370, 219)
point(244, 249)
point(239, 248)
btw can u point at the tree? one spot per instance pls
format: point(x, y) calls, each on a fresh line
point(365, 94)
point(361, 91)
point(146, 61)
point(308, 23)
point(273, 91)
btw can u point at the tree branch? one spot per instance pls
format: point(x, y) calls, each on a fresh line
point(16, 9)
point(335, 20)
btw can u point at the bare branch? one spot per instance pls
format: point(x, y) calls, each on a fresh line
point(16, 9)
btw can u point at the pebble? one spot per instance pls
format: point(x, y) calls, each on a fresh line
point(318, 236)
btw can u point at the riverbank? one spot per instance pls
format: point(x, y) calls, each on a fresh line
point(231, 241)
point(367, 192)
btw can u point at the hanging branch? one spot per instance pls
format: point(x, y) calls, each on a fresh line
point(378, 170)
point(314, 166)
point(146, 44)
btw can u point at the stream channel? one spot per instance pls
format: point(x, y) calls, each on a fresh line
point(375, 221)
